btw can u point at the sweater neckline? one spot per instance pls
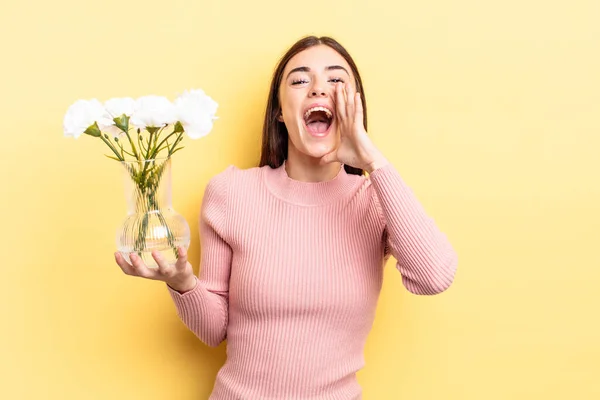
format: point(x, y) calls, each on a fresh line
point(308, 193)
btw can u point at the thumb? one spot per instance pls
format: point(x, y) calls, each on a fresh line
point(329, 157)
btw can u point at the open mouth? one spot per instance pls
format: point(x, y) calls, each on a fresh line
point(318, 120)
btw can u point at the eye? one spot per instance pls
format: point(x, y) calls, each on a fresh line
point(336, 80)
point(299, 81)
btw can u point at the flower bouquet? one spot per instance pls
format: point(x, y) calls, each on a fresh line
point(142, 135)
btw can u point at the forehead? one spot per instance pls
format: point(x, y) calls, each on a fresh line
point(316, 58)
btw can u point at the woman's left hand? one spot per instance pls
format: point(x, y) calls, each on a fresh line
point(355, 148)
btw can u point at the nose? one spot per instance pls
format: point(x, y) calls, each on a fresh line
point(317, 89)
point(317, 92)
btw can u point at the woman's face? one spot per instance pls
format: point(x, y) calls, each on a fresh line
point(307, 99)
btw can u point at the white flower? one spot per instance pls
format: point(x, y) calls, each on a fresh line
point(199, 126)
point(196, 112)
point(153, 111)
point(118, 106)
point(81, 115)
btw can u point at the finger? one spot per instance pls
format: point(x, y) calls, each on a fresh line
point(139, 268)
point(124, 265)
point(164, 268)
point(358, 113)
point(339, 102)
point(181, 259)
point(349, 101)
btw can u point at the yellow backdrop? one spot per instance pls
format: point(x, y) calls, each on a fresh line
point(490, 111)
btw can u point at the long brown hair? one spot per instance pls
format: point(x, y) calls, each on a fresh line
point(275, 135)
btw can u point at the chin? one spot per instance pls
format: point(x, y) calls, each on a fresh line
point(318, 151)
point(318, 148)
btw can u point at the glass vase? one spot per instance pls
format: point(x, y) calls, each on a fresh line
point(151, 223)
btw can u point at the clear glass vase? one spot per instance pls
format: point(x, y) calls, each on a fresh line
point(151, 223)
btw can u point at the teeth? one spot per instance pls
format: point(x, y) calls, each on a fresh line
point(311, 110)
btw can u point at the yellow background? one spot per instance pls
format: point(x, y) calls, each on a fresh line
point(490, 111)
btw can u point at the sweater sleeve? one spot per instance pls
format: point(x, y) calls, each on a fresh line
point(204, 309)
point(425, 257)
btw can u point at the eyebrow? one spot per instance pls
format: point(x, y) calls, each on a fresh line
point(329, 68)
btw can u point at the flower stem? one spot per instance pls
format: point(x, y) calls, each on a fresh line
point(179, 139)
point(140, 143)
point(125, 151)
point(135, 153)
point(164, 140)
point(109, 144)
point(147, 154)
point(149, 141)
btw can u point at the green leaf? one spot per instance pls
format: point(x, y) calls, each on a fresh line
point(122, 123)
point(179, 148)
point(93, 130)
point(114, 158)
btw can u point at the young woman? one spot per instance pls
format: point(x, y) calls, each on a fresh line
point(293, 250)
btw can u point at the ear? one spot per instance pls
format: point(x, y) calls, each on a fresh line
point(280, 117)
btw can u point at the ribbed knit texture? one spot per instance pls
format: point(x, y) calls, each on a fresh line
point(291, 273)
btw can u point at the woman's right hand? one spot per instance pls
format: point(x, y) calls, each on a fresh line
point(179, 276)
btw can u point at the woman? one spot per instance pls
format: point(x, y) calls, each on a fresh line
point(293, 250)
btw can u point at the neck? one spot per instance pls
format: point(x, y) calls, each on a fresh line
point(305, 189)
point(309, 169)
